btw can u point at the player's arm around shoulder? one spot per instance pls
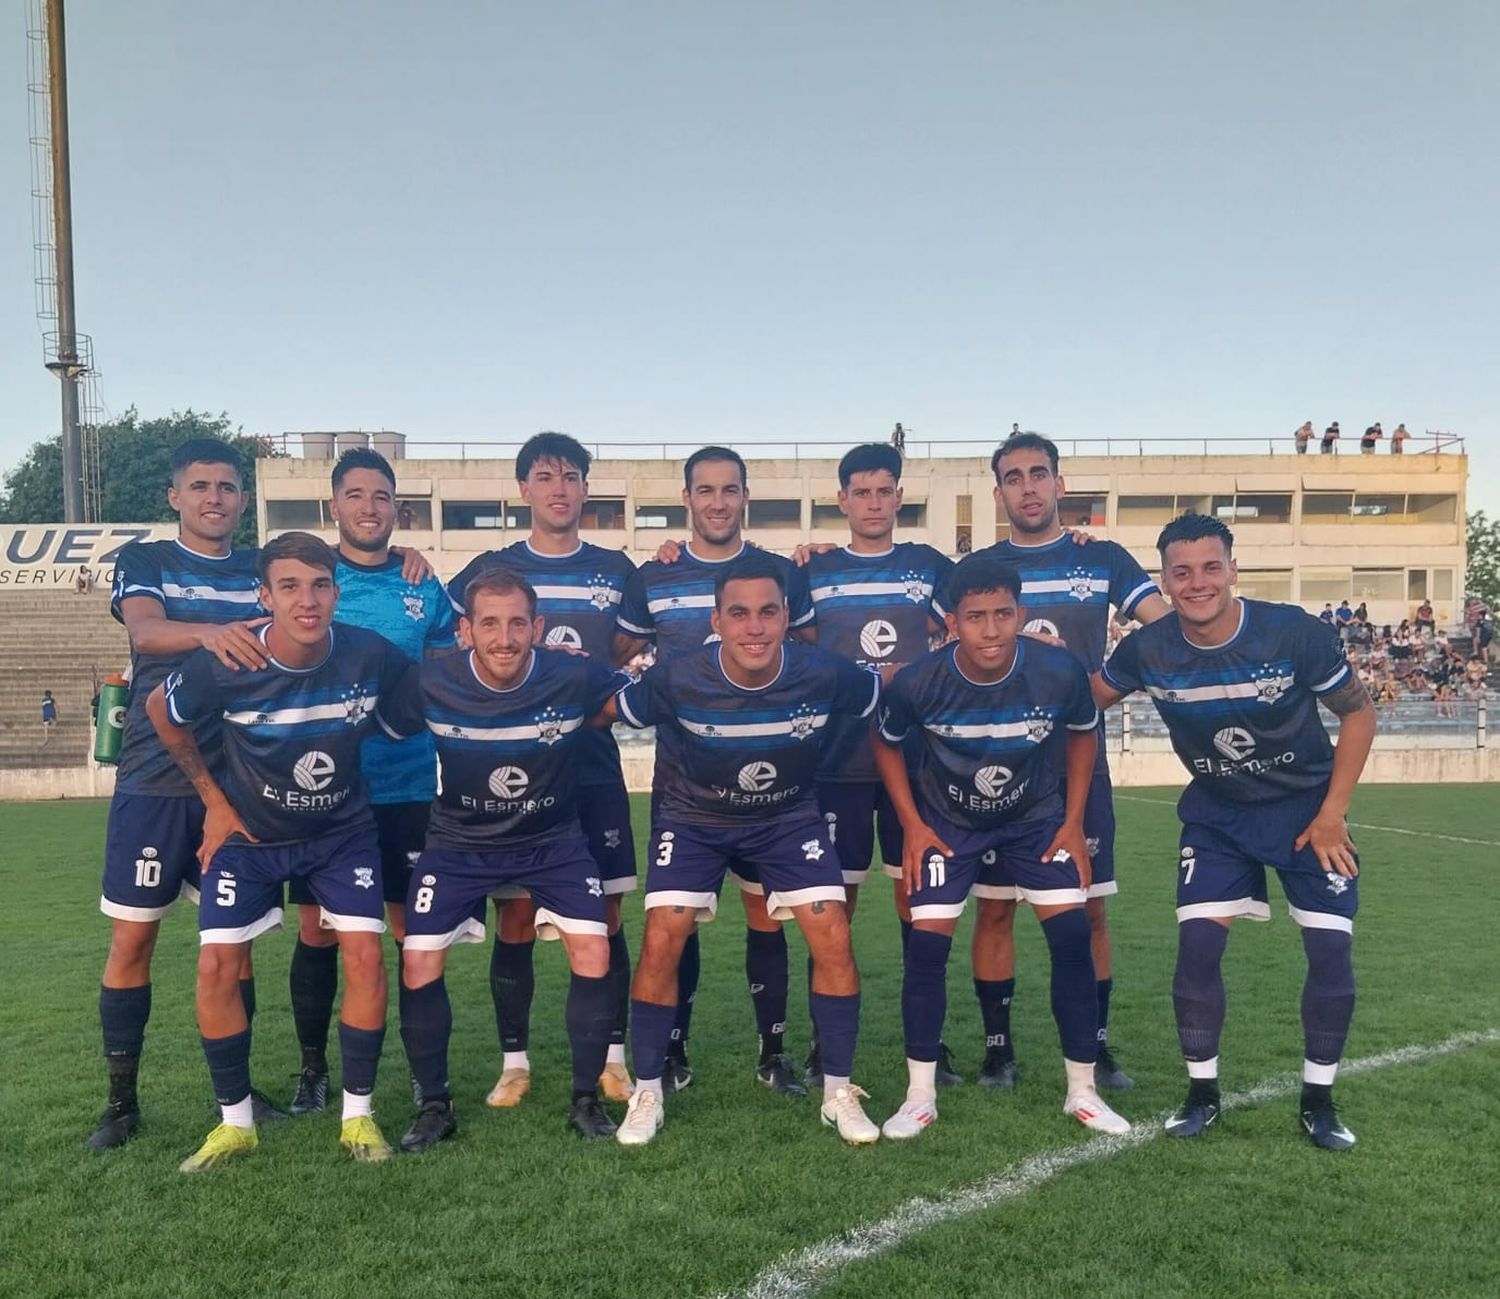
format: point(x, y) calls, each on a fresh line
point(235, 644)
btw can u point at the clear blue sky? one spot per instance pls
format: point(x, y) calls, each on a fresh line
point(714, 221)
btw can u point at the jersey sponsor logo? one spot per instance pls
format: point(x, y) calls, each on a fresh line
point(313, 771)
point(564, 637)
point(989, 781)
point(877, 638)
point(415, 607)
point(1235, 743)
point(508, 782)
point(364, 877)
point(756, 777)
point(1043, 626)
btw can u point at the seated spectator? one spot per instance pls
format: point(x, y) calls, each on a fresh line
point(1425, 618)
point(1343, 615)
point(1401, 641)
point(1363, 611)
point(1327, 614)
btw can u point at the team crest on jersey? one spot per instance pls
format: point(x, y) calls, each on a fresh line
point(812, 850)
point(415, 606)
point(917, 590)
point(1038, 728)
point(596, 889)
point(611, 838)
point(600, 595)
point(357, 708)
point(549, 726)
point(1270, 689)
point(802, 722)
point(364, 877)
point(1080, 586)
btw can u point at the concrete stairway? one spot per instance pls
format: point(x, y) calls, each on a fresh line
point(57, 641)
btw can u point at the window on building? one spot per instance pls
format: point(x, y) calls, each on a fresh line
point(464, 515)
point(1379, 584)
point(825, 515)
point(1442, 584)
point(912, 516)
point(1422, 507)
point(661, 516)
point(1266, 584)
point(1153, 511)
point(1388, 506)
point(1002, 531)
point(603, 514)
point(281, 515)
point(963, 524)
point(1326, 585)
point(413, 515)
point(1083, 511)
point(1254, 507)
point(1326, 507)
point(775, 513)
point(1416, 584)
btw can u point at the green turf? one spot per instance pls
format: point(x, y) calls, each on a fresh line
point(517, 1206)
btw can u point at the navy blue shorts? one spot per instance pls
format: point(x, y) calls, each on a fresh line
point(449, 887)
point(792, 860)
point(401, 829)
point(1004, 863)
point(1099, 830)
point(1224, 852)
point(241, 895)
point(604, 814)
point(859, 814)
point(150, 855)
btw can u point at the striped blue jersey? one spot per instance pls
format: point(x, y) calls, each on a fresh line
point(985, 751)
point(509, 757)
point(874, 609)
point(414, 617)
point(1067, 590)
point(578, 597)
point(190, 588)
point(671, 603)
point(726, 754)
point(292, 735)
point(1243, 716)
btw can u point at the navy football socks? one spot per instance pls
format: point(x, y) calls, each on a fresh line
point(590, 1015)
point(837, 1022)
point(924, 993)
point(229, 1066)
point(651, 1028)
point(359, 1051)
point(1327, 995)
point(512, 985)
point(768, 976)
point(1074, 1002)
point(426, 1026)
point(619, 979)
point(1198, 988)
point(995, 996)
point(314, 983)
point(687, 992)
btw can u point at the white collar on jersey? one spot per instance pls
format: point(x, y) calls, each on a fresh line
point(719, 662)
point(525, 677)
point(296, 672)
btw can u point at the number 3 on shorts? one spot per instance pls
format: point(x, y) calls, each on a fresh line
point(664, 846)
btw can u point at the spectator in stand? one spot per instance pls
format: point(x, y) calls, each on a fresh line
point(1360, 631)
point(1475, 612)
point(1302, 437)
point(1401, 642)
point(1371, 437)
point(1483, 635)
point(1362, 612)
point(1474, 673)
point(49, 717)
point(85, 583)
point(1330, 439)
point(1343, 616)
point(898, 439)
point(1425, 619)
point(1398, 440)
point(1327, 615)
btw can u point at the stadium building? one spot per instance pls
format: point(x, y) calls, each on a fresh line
point(1384, 530)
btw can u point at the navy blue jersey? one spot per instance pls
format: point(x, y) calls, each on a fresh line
point(874, 609)
point(725, 754)
point(985, 756)
point(1067, 590)
point(509, 758)
point(671, 603)
point(292, 735)
point(414, 617)
point(578, 597)
point(190, 588)
point(1243, 716)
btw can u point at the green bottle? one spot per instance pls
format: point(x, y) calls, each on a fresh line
point(109, 731)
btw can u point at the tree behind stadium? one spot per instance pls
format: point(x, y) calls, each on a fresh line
point(1482, 576)
point(134, 470)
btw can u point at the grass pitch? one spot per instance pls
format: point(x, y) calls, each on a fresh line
point(517, 1206)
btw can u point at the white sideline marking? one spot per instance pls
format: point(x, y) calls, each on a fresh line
point(798, 1274)
point(1353, 825)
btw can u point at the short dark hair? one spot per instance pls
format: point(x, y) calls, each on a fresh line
point(311, 550)
point(707, 455)
point(976, 574)
point(1195, 527)
point(207, 451)
point(752, 566)
point(552, 446)
point(1023, 442)
point(362, 458)
point(499, 581)
point(870, 458)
